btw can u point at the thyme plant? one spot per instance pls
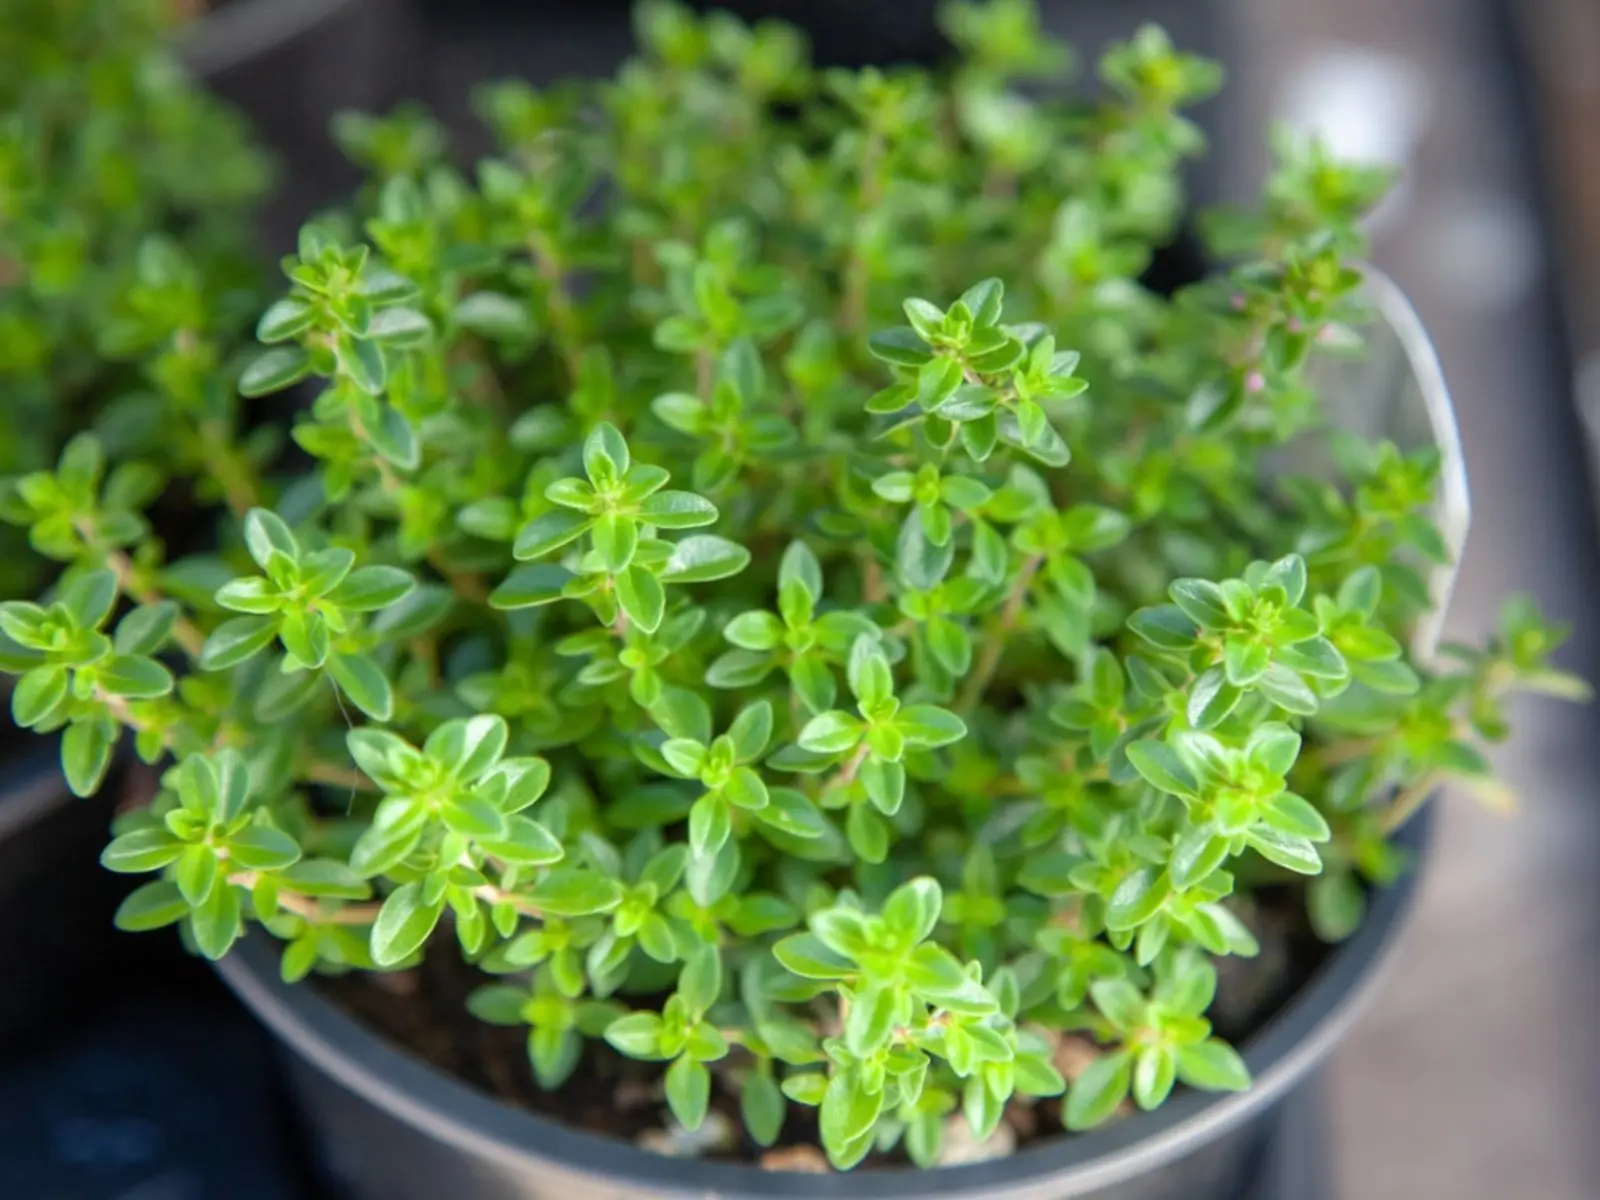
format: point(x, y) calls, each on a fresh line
point(760, 578)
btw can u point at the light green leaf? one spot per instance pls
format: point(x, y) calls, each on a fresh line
point(404, 923)
point(701, 558)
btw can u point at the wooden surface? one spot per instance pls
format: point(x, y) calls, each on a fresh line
point(1476, 1075)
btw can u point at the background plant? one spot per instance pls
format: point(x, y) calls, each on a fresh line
point(834, 697)
point(126, 270)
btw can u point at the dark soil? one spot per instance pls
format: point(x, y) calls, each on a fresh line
point(425, 1012)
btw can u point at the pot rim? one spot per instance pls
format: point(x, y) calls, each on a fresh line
point(33, 786)
point(247, 29)
point(1282, 1053)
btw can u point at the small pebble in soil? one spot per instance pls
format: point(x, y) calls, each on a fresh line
point(959, 1147)
point(632, 1094)
point(397, 983)
point(1023, 1117)
point(716, 1135)
point(1074, 1055)
point(806, 1159)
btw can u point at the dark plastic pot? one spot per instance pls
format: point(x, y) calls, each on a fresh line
point(55, 900)
point(388, 1127)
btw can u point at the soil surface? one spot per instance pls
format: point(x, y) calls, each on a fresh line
point(425, 1012)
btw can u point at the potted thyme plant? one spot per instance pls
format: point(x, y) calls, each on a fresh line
point(766, 612)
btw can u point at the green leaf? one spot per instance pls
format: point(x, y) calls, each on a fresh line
point(1201, 601)
point(605, 453)
point(912, 909)
point(1137, 898)
point(38, 694)
point(1097, 1091)
point(274, 370)
point(751, 731)
point(368, 589)
point(1361, 591)
point(831, 733)
point(401, 327)
point(575, 892)
point(393, 437)
point(1211, 699)
point(285, 319)
point(361, 679)
point(216, 923)
point(1319, 658)
point(808, 957)
point(1244, 661)
point(234, 641)
point(494, 315)
point(89, 597)
point(1164, 626)
point(1120, 1002)
point(806, 1088)
point(902, 347)
point(153, 906)
point(1295, 816)
point(615, 539)
point(688, 1086)
point(250, 595)
point(762, 1106)
point(197, 873)
point(885, 784)
point(134, 677)
point(677, 510)
point(1297, 854)
point(710, 824)
point(531, 586)
point(873, 1016)
point(404, 923)
point(638, 1035)
point(792, 812)
point(141, 850)
point(467, 747)
point(524, 841)
point(1197, 853)
point(1154, 1072)
point(868, 673)
point(145, 629)
point(754, 630)
point(263, 848)
point(949, 644)
point(549, 532)
point(86, 753)
point(642, 597)
point(266, 536)
point(701, 558)
point(1159, 765)
point(1288, 691)
point(473, 816)
point(1212, 1066)
point(325, 877)
point(930, 726)
point(1336, 904)
point(848, 1112)
point(700, 981)
point(362, 363)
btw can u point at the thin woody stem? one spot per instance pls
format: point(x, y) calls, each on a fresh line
point(995, 643)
